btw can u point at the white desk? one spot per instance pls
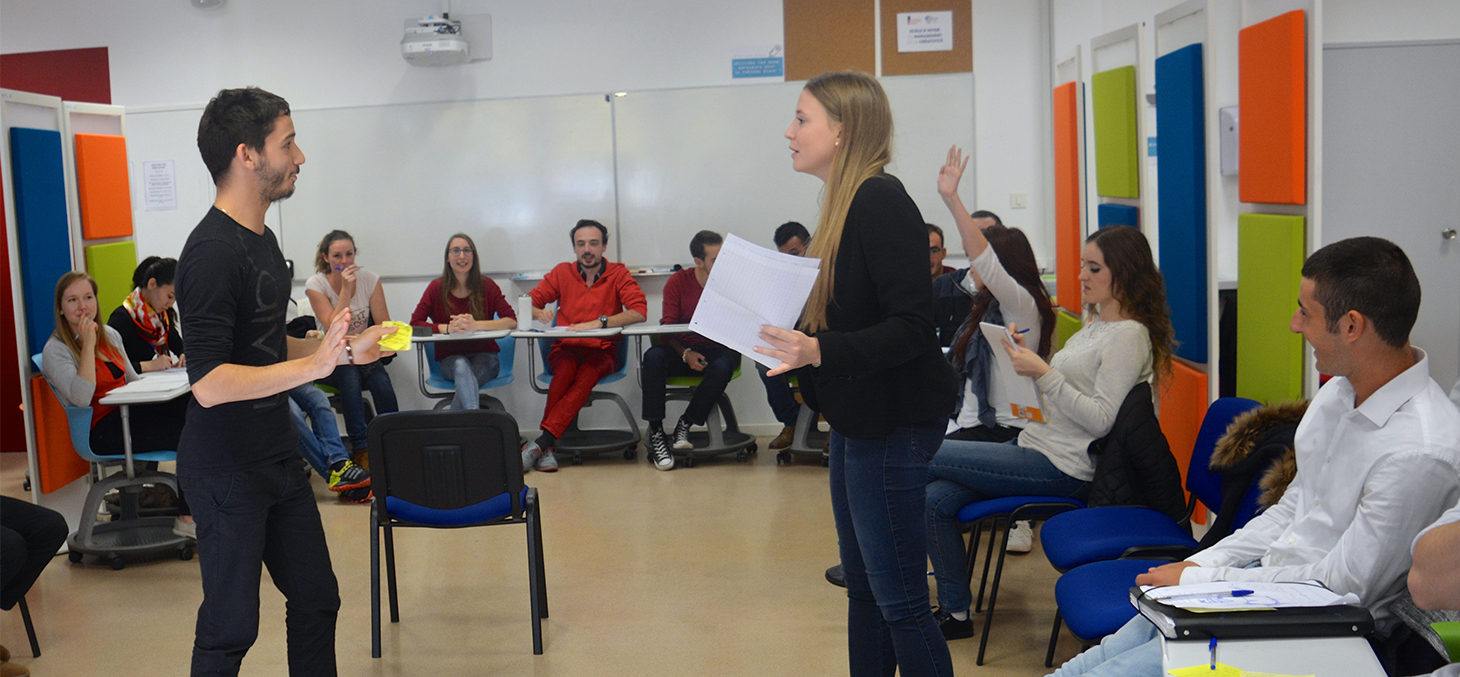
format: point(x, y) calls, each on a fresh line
point(654, 329)
point(151, 388)
point(1320, 656)
point(556, 333)
point(480, 335)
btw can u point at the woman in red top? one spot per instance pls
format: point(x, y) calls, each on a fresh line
point(83, 361)
point(462, 300)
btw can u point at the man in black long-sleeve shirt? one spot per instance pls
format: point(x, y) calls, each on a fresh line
point(254, 505)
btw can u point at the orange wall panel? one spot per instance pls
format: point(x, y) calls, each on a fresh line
point(1067, 195)
point(101, 183)
point(1272, 79)
point(1183, 405)
point(57, 459)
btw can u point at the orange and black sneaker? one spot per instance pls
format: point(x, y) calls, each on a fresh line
point(348, 476)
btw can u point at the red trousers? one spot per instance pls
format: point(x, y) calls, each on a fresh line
point(575, 371)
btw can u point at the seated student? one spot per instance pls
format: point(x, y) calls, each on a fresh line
point(1434, 580)
point(790, 238)
point(83, 361)
point(937, 252)
point(30, 536)
point(685, 355)
point(463, 300)
point(950, 297)
point(1378, 457)
point(322, 447)
point(592, 293)
point(338, 284)
point(1127, 340)
point(147, 320)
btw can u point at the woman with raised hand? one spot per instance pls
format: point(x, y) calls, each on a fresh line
point(462, 300)
point(1126, 340)
point(338, 284)
point(84, 361)
point(147, 321)
point(870, 362)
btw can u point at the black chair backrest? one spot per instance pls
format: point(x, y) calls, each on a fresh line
point(446, 459)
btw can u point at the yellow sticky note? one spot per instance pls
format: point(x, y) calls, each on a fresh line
point(1205, 670)
point(400, 340)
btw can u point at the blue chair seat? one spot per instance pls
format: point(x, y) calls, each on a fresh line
point(1094, 598)
point(1103, 533)
point(494, 508)
point(979, 510)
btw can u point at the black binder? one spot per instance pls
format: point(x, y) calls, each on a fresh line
point(1314, 621)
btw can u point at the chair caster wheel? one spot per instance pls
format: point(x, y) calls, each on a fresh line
point(74, 556)
point(825, 461)
point(783, 458)
point(630, 454)
point(688, 462)
point(742, 456)
point(752, 449)
point(577, 459)
point(185, 553)
point(117, 563)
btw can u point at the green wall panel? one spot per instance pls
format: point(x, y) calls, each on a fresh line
point(112, 266)
point(1269, 268)
point(1117, 156)
point(1065, 326)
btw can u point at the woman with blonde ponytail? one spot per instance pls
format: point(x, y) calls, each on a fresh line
point(869, 360)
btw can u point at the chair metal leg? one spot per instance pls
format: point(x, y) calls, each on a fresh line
point(534, 580)
point(35, 647)
point(1054, 640)
point(390, 574)
point(988, 619)
point(535, 525)
point(374, 585)
point(974, 535)
point(988, 559)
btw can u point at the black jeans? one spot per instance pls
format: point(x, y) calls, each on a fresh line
point(251, 518)
point(30, 535)
point(661, 362)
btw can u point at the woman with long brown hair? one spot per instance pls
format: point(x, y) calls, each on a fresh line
point(462, 300)
point(1126, 339)
point(871, 363)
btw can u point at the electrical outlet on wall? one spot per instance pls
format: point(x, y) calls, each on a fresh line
point(1019, 200)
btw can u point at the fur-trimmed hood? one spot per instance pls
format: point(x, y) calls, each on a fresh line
point(1250, 431)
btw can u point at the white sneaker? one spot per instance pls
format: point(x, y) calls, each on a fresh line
point(1021, 538)
point(530, 455)
point(185, 529)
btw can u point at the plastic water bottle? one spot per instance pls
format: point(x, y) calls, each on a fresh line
point(524, 312)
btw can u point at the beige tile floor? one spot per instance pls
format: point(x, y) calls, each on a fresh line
point(714, 570)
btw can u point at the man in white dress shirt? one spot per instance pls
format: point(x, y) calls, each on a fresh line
point(1378, 455)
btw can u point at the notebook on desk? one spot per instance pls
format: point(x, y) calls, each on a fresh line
point(1174, 622)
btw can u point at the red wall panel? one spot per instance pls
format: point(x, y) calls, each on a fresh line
point(72, 74)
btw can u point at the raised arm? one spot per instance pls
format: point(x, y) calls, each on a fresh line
point(948, 178)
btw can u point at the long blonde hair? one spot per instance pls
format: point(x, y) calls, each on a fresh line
point(63, 331)
point(857, 101)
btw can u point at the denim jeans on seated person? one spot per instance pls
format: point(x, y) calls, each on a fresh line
point(321, 445)
point(779, 396)
point(877, 497)
point(350, 380)
point(964, 472)
point(468, 373)
point(1133, 651)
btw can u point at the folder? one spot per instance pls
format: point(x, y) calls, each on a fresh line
point(1323, 621)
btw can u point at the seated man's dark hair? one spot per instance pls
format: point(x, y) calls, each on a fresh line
point(702, 239)
point(791, 229)
point(586, 223)
point(236, 116)
point(1370, 275)
point(986, 214)
point(934, 229)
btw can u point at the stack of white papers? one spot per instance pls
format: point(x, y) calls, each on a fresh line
point(1225, 596)
point(752, 286)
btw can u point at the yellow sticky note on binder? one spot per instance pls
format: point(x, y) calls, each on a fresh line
point(1205, 670)
point(400, 340)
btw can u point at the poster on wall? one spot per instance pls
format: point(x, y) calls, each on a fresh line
point(925, 32)
point(760, 61)
point(160, 182)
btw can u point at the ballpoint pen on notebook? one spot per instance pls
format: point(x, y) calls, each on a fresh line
point(1231, 593)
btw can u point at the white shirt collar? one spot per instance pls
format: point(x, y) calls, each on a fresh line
point(1392, 395)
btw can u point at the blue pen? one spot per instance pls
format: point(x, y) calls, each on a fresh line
point(1023, 331)
point(1212, 648)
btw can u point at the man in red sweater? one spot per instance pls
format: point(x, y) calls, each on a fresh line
point(591, 293)
point(685, 355)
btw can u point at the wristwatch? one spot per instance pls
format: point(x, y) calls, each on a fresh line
point(603, 321)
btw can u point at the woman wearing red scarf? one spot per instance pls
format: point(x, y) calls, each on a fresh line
point(146, 319)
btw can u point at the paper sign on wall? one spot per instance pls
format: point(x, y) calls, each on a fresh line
point(160, 183)
point(925, 32)
point(758, 62)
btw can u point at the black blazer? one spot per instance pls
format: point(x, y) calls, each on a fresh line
point(137, 348)
point(881, 365)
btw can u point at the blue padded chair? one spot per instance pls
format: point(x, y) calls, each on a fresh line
point(1001, 514)
point(132, 534)
point(445, 389)
point(576, 442)
point(1096, 597)
point(449, 470)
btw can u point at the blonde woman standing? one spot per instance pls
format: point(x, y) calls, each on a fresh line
point(869, 360)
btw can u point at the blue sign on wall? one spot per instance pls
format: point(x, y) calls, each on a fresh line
point(762, 67)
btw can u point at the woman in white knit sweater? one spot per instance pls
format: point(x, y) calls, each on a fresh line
point(1126, 340)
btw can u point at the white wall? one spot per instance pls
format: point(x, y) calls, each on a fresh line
point(1391, 20)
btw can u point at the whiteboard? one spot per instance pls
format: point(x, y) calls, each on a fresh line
point(515, 174)
point(717, 159)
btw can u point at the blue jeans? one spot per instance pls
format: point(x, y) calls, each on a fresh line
point(877, 496)
point(249, 519)
point(963, 472)
point(778, 395)
point(1133, 651)
point(351, 380)
point(322, 445)
point(468, 373)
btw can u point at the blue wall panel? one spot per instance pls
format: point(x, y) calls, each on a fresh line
point(43, 233)
point(1182, 197)
point(1117, 215)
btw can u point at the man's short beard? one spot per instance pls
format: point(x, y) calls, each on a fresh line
point(274, 186)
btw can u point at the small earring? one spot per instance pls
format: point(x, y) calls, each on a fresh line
point(838, 143)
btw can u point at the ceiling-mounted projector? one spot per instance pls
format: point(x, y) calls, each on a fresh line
point(444, 41)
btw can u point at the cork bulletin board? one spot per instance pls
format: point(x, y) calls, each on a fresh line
point(958, 60)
